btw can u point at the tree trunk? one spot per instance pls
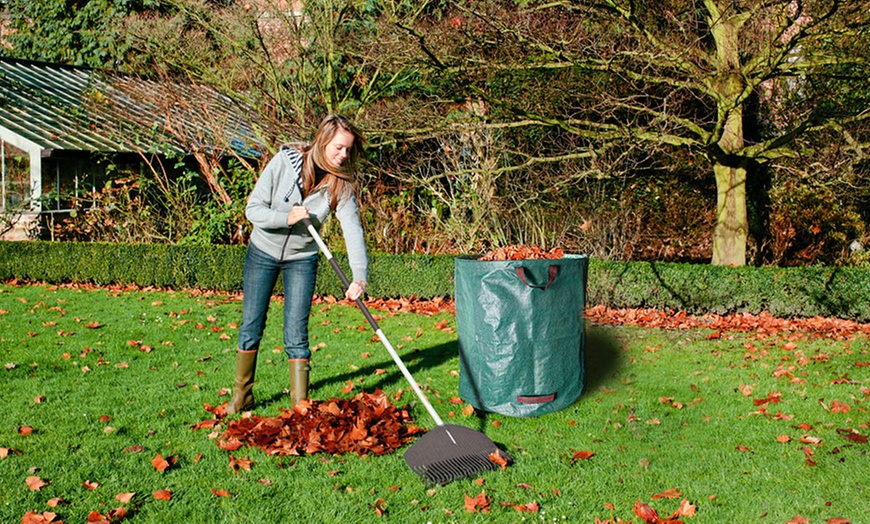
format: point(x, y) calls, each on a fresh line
point(729, 237)
point(732, 225)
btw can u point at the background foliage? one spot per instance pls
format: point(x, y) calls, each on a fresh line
point(508, 122)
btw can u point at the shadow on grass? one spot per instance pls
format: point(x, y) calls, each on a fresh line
point(603, 357)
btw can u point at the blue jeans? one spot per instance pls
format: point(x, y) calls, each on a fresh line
point(261, 274)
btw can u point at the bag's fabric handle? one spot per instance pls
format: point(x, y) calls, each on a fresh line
point(536, 399)
point(551, 275)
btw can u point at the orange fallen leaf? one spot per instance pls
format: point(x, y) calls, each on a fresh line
point(531, 507)
point(5, 452)
point(162, 494)
point(90, 485)
point(672, 493)
point(497, 457)
point(380, 510)
point(35, 483)
point(840, 407)
point(774, 397)
point(32, 517)
point(348, 387)
point(117, 514)
point(480, 502)
point(468, 410)
point(25, 430)
point(242, 463)
point(645, 512)
point(686, 509)
point(159, 463)
point(220, 492)
point(582, 455)
point(124, 498)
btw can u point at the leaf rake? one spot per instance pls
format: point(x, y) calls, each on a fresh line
point(447, 452)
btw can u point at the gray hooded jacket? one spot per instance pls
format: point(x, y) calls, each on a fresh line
point(279, 189)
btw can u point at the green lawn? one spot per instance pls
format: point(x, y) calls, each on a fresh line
point(746, 429)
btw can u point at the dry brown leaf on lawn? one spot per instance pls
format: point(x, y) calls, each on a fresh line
point(477, 503)
point(380, 507)
point(90, 485)
point(35, 483)
point(840, 407)
point(686, 509)
point(5, 452)
point(207, 424)
point(531, 507)
point(497, 457)
point(852, 435)
point(32, 517)
point(242, 463)
point(581, 455)
point(159, 463)
point(124, 498)
point(117, 514)
point(231, 444)
point(774, 397)
point(162, 494)
point(645, 512)
point(672, 493)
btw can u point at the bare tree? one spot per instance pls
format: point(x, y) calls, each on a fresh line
point(625, 76)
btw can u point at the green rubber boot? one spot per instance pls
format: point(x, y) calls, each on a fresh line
point(243, 396)
point(299, 369)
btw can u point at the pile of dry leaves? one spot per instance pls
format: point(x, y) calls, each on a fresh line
point(366, 424)
point(521, 252)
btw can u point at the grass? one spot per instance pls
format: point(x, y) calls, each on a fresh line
point(97, 372)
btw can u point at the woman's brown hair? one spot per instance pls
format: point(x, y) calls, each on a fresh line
point(340, 180)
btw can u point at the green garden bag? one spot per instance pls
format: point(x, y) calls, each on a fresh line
point(521, 333)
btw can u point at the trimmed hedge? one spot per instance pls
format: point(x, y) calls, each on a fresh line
point(218, 267)
point(696, 289)
point(699, 289)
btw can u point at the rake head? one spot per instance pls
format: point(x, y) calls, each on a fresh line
point(450, 452)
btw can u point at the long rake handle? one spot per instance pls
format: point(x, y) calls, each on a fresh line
point(383, 338)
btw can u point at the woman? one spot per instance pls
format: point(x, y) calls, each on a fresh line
point(301, 181)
